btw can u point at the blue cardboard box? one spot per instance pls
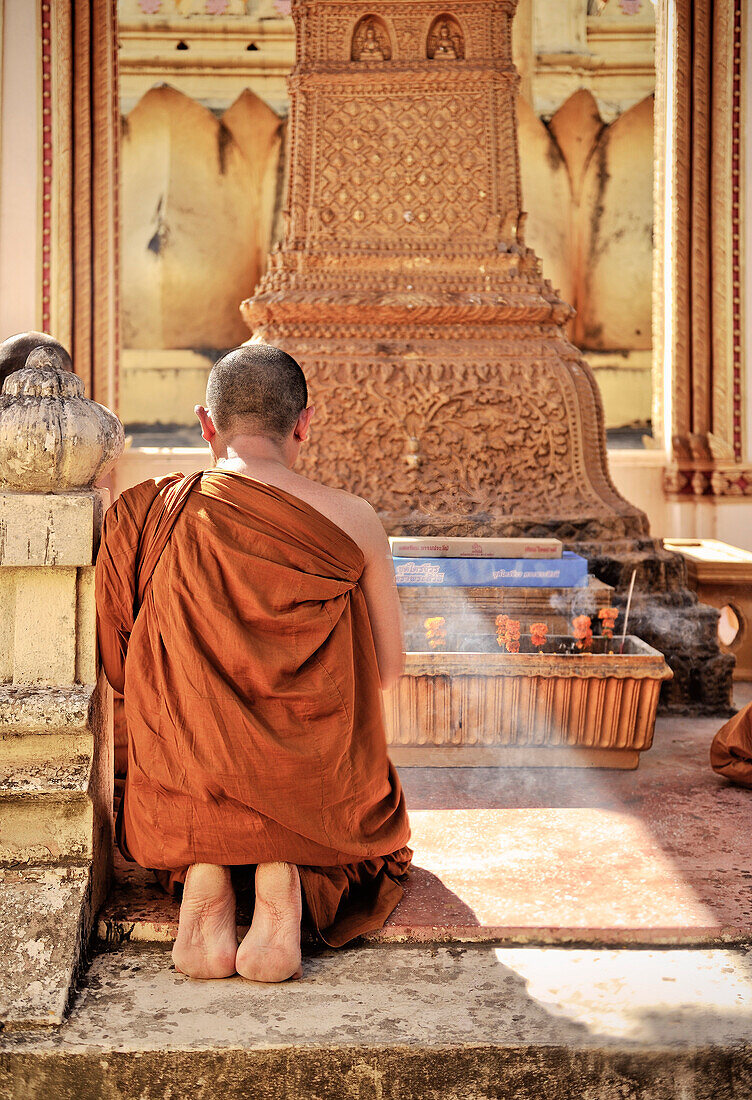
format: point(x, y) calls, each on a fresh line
point(568, 571)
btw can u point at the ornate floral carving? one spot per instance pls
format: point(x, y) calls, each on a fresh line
point(708, 480)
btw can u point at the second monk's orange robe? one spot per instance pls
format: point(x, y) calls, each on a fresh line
point(731, 751)
point(252, 695)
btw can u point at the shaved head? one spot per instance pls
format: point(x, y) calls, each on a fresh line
point(258, 390)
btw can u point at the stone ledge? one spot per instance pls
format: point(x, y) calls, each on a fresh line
point(50, 782)
point(419, 1022)
point(41, 912)
point(29, 710)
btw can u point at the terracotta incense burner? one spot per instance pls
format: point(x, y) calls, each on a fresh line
point(534, 709)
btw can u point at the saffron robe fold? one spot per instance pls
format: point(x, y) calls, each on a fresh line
point(252, 695)
point(731, 750)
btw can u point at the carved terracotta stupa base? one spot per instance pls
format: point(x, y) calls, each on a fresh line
point(447, 393)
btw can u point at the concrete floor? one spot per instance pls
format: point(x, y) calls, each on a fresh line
point(660, 855)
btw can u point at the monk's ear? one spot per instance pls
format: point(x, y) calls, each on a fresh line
point(303, 424)
point(208, 431)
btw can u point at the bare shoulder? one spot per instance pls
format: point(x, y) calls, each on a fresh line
point(350, 512)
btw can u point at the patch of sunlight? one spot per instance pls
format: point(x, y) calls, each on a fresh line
point(668, 995)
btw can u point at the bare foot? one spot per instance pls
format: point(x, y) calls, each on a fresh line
point(270, 951)
point(207, 939)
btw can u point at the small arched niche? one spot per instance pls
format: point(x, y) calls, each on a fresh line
point(445, 42)
point(371, 40)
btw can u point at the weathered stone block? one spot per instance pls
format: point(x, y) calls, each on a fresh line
point(50, 529)
point(47, 632)
point(44, 650)
point(52, 806)
point(44, 827)
point(40, 937)
point(29, 710)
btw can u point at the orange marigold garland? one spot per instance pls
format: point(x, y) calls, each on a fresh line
point(538, 633)
point(508, 633)
point(582, 628)
point(436, 631)
point(608, 617)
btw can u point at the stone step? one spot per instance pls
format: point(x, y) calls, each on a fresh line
point(403, 1023)
point(46, 812)
point(659, 855)
point(44, 917)
point(39, 724)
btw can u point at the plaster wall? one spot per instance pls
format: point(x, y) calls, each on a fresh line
point(587, 186)
point(20, 147)
point(610, 54)
point(198, 199)
point(209, 56)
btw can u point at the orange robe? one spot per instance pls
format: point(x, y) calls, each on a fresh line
point(731, 750)
point(252, 694)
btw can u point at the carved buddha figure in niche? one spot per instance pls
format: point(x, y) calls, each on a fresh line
point(445, 41)
point(444, 45)
point(369, 44)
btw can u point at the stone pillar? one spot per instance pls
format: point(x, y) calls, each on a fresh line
point(55, 741)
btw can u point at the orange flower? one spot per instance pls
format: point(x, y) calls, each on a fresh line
point(582, 630)
point(508, 633)
point(435, 632)
point(538, 632)
point(608, 617)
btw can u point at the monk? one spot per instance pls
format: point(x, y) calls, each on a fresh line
point(731, 750)
point(249, 617)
